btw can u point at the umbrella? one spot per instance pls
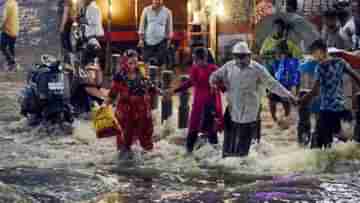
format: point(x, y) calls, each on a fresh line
point(300, 29)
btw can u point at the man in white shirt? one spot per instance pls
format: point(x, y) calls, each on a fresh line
point(155, 31)
point(245, 81)
point(93, 29)
point(94, 26)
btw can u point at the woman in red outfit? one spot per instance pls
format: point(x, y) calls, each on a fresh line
point(133, 109)
point(206, 114)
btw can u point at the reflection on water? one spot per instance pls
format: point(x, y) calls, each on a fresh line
point(249, 188)
point(294, 189)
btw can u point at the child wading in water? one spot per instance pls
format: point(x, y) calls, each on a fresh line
point(133, 109)
point(206, 111)
point(286, 71)
point(329, 85)
point(305, 128)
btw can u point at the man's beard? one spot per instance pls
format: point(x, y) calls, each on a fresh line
point(242, 63)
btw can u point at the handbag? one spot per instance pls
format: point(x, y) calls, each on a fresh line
point(105, 123)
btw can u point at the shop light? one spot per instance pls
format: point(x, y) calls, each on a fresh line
point(215, 7)
point(220, 10)
point(189, 7)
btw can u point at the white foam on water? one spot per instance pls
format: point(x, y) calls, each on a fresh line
point(277, 152)
point(84, 131)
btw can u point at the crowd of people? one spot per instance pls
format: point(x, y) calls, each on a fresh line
point(311, 80)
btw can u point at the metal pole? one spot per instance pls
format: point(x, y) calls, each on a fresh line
point(115, 59)
point(153, 75)
point(357, 119)
point(184, 107)
point(108, 69)
point(166, 105)
point(137, 14)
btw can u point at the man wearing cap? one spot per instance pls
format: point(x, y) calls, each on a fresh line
point(245, 81)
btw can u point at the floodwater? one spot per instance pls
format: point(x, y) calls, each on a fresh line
point(41, 167)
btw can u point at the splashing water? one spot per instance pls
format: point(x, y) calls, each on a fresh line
point(277, 155)
point(277, 152)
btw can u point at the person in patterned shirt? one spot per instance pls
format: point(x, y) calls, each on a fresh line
point(329, 84)
point(133, 109)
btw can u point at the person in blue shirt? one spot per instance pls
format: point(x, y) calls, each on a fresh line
point(304, 126)
point(285, 70)
point(329, 85)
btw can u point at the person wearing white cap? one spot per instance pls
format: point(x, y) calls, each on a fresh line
point(245, 81)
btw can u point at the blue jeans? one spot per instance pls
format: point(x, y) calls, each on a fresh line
point(7, 45)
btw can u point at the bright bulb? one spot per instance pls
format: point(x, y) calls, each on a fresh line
point(111, 6)
point(216, 7)
point(189, 6)
point(208, 3)
point(220, 10)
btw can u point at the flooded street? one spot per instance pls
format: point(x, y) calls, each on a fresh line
point(38, 167)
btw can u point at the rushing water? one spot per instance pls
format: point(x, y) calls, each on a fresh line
point(277, 169)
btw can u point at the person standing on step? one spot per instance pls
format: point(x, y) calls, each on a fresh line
point(67, 11)
point(155, 31)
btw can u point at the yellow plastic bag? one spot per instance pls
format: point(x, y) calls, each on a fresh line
point(104, 122)
point(143, 69)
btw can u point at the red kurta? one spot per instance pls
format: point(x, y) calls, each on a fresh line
point(199, 80)
point(134, 109)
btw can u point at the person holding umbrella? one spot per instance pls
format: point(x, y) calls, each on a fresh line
point(282, 30)
point(269, 48)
